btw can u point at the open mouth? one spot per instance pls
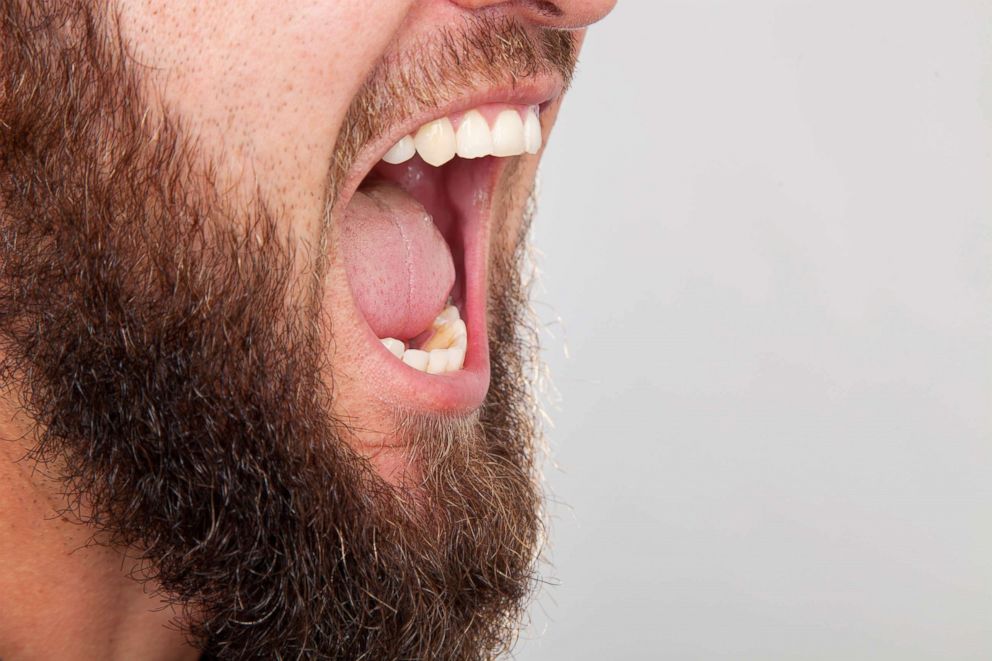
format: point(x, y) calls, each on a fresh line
point(414, 241)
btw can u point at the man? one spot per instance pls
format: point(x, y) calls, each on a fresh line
point(263, 336)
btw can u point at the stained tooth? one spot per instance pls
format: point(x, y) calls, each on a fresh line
point(396, 347)
point(401, 151)
point(456, 358)
point(508, 134)
point(438, 362)
point(435, 142)
point(474, 137)
point(441, 339)
point(532, 132)
point(445, 335)
point(416, 359)
point(449, 313)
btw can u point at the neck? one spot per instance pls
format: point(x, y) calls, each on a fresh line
point(64, 598)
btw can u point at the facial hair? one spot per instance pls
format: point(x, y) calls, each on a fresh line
point(167, 352)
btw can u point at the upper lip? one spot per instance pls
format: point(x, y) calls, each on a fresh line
point(539, 90)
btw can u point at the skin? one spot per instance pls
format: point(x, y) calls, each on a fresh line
point(264, 87)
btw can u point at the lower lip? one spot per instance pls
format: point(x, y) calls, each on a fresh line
point(451, 392)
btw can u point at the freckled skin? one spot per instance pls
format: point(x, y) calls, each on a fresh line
point(263, 87)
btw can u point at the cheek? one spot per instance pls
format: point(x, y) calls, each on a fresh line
point(262, 86)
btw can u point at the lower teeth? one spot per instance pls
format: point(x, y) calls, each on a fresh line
point(444, 350)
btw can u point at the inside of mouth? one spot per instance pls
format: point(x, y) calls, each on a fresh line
point(433, 189)
point(410, 230)
point(404, 245)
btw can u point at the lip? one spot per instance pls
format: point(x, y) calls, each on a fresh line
point(399, 385)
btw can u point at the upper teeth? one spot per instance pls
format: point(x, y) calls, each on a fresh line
point(474, 137)
point(438, 141)
point(401, 151)
point(444, 350)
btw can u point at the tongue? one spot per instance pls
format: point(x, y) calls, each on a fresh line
point(398, 264)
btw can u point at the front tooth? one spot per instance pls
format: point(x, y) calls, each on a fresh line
point(532, 132)
point(438, 362)
point(435, 142)
point(416, 359)
point(474, 137)
point(508, 134)
point(396, 347)
point(401, 151)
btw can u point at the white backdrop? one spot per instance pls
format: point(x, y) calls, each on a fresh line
point(767, 227)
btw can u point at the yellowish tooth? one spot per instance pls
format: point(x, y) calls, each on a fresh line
point(435, 142)
point(508, 134)
point(396, 347)
point(402, 151)
point(449, 313)
point(474, 137)
point(416, 359)
point(438, 362)
point(445, 335)
point(532, 131)
point(456, 358)
point(441, 339)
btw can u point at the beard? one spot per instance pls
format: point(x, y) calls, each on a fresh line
point(169, 353)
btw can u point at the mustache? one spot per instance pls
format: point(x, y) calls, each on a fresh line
point(483, 51)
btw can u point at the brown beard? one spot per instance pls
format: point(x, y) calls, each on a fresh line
point(171, 368)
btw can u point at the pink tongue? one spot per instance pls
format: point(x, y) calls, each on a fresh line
point(398, 264)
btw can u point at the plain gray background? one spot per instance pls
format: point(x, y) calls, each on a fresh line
point(767, 231)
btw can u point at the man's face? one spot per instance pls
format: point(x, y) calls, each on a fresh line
point(289, 374)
